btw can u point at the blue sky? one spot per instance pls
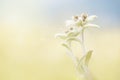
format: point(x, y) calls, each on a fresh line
point(107, 10)
point(57, 11)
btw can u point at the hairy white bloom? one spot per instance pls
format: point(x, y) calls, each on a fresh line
point(76, 25)
point(80, 21)
point(75, 32)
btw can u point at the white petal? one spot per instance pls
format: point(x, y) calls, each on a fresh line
point(91, 18)
point(91, 25)
point(69, 23)
point(78, 22)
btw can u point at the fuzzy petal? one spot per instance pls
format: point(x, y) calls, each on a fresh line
point(69, 23)
point(91, 18)
point(91, 26)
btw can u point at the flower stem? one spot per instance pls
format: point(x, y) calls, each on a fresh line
point(73, 57)
point(82, 41)
point(87, 72)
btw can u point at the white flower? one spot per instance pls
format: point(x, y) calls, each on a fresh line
point(76, 25)
point(84, 16)
point(74, 22)
point(75, 32)
point(80, 21)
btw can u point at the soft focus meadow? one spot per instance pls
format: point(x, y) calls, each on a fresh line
point(29, 50)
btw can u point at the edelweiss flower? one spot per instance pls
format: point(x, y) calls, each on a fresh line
point(76, 25)
point(75, 32)
point(74, 22)
point(81, 21)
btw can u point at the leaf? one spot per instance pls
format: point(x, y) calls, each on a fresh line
point(80, 69)
point(73, 33)
point(62, 36)
point(88, 56)
point(80, 65)
point(83, 62)
point(66, 46)
point(73, 39)
point(70, 34)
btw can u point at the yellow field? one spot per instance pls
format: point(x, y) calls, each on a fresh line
point(32, 53)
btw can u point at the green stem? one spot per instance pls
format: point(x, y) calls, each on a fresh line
point(82, 42)
point(73, 57)
point(87, 72)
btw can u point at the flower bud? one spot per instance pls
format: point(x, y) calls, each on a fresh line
point(84, 16)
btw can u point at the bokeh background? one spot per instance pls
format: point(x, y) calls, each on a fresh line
point(29, 51)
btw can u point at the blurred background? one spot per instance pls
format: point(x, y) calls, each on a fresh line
point(29, 51)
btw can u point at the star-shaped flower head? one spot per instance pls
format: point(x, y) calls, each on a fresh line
point(74, 27)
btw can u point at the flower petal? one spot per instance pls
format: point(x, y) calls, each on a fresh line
point(78, 23)
point(91, 18)
point(91, 25)
point(69, 23)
